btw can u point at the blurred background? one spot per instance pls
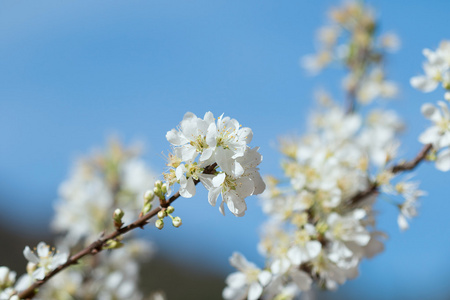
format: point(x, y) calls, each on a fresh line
point(73, 73)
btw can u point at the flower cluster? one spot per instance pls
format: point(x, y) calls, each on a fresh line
point(350, 38)
point(7, 281)
point(97, 186)
point(87, 206)
point(437, 70)
point(321, 220)
point(322, 224)
point(199, 143)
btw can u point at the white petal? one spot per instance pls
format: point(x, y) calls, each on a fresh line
point(246, 134)
point(238, 261)
point(280, 266)
point(179, 172)
point(211, 136)
point(30, 256)
point(236, 280)
point(264, 277)
point(430, 112)
point(213, 195)
point(189, 190)
point(224, 160)
point(43, 250)
point(296, 255)
point(39, 274)
point(258, 183)
point(244, 187)
point(402, 223)
point(443, 160)
point(313, 248)
point(59, 259)
point(254, 291)
point(302, 280)
point(188, 153)
point(221, 208)
point(235, 203)
point(206, 154)
point(218, 179)
point(189, 115)
point(430, 136)
point(423, 83)
point(176, 138)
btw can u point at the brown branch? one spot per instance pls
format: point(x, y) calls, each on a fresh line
point(97, 246)
point(407, 166)
point(401, 167)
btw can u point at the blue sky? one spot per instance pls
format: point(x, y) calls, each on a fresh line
point(74, 72)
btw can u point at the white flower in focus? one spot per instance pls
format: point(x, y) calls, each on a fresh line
point(228, 134)
point(45, 259)
point(240, 178)
point(439, 134)
point(191, 137)
point(248, 283)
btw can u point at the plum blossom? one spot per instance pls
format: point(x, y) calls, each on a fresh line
point(44, 259)
point(248, 282)
point(437, 69)
point(439, 133)
point(224, 145)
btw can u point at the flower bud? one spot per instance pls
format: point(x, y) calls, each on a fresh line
point(147, 207)
point(176, 222)
point(117, 217)
point(164, 189)
point(31, 267)
point(170, 209)
point(158, 184)
point(161, 214)
point(159, 224)
point(149, 195)
point(118, 214)
point(113, 244)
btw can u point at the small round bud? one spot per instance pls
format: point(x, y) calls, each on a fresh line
point(118, 214)
point(147, 207)
point(161, 214)
point(31, 267)
point(176, 222)
point(158, 184)
point(170, 209)
point(149, 195)
point(164, 189)
point(159, 224)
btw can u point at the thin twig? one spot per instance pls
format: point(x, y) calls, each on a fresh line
point(401, 167)
point(97, 246)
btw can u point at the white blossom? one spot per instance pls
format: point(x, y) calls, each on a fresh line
point(45, 259)
point(248, 282)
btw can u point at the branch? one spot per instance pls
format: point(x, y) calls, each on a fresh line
point(407, 166)
point(401, 167)
point(97, 246)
